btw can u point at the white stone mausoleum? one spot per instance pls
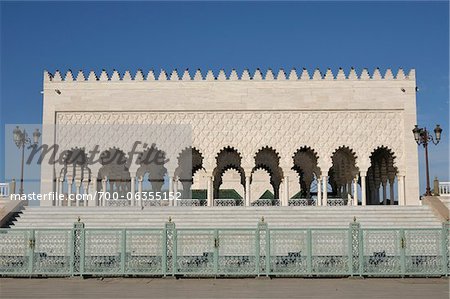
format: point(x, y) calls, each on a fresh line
point(293, 138)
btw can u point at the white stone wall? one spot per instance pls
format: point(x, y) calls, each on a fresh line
point(322, 112)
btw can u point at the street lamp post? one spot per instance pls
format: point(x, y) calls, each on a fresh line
point(422, 136)
point(21, 139)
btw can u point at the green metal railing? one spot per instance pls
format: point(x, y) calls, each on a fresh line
point(260, 251)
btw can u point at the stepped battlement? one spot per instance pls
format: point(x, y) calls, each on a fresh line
point(222, 75)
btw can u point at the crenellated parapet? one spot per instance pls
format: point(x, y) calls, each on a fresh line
point(233, 75)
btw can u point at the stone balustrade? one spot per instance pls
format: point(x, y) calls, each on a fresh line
point(444, 188)
point(4, 189)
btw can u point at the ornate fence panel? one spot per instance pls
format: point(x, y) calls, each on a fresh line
point(151, 203)
point(222, 202)
point(16, 251)
point(102, 251)
point(144, 251)
point(300, 202)
point(289, 252)
point(189, 202)
point(53, 252)
point(330, 252)
point(236, 251)
point(233, 252)
point(382, 252)
point(423, 252)
point(195, 253)
point(120, 202)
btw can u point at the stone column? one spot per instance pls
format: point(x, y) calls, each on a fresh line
point(175, 191)
point(77, 191)
point(355, 191)
point(69, 190)
point(85, 185)
point(325, 190)
point(133, 190)
point(391, 191)
point(209, 190)
point(281, 192)
point(247, 190)
point(139, 195)
point(436, 191)
point(58, 192)
point(93, 191)
point(286, 192)
point(12, 186)
point(103, 203)
point(401, 190)
point(384, 185)
point(319, 192)
point(170, 194)
point(363, 188)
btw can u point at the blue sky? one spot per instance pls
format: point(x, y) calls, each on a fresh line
point(123, 35)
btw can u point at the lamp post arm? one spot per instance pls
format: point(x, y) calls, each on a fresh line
point(21, 169)
point(434, 140)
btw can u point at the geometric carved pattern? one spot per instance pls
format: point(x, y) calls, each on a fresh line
point(423, 253)
point(144, 251)
point(382, 251)
point(288, 251)
point(237, 251)
point(52, 251)
point(195, 251)
point(330, 251)
point(102, 251)
point(248, 132)
point(14, 251)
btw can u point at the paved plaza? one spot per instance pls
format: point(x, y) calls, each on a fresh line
point(431, 288)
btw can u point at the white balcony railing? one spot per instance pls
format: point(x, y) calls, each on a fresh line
point(444, 188)
point(4, 189)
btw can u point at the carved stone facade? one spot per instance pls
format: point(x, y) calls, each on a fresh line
point(324, 114)
point(247, 132)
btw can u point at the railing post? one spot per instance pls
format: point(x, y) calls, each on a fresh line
point(267, 251)
point(169, 262)
point(257, 251)
point(309, 251)
point(31, 245)
point(445, 248)
point(174, 252)
point(263, 247)
point(78, 247)
point(164, 252)
point(354, 247)
point(402, 253)
point(216, 252)
point(123, 251)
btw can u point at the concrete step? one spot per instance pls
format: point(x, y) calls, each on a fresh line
point(225, 209)
point(229, 217)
